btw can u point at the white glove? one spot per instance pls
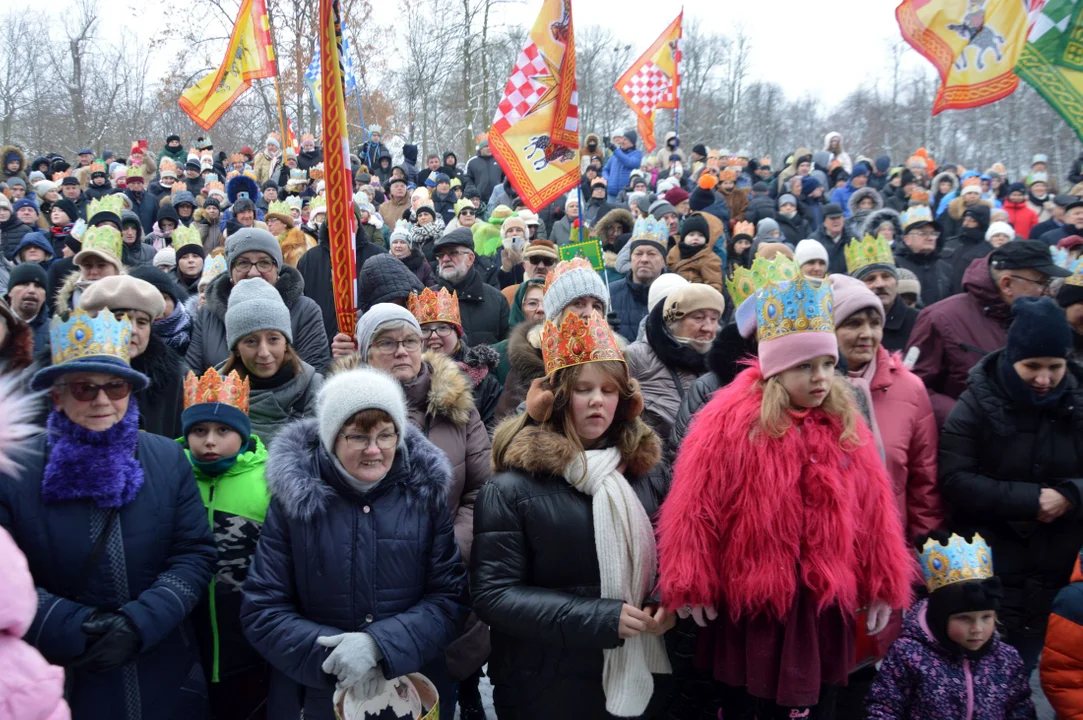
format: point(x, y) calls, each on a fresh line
point(879, 615)
point(702, 615)
point(372, 684)
point(354, 655)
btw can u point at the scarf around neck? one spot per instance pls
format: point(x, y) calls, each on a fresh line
point(176, 328)
point(861, 381)
point(98, 466)
point(627, 558)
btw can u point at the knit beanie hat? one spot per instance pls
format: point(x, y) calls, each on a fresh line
point(255, 304)
point(220, 413)
point(767, 225)
point(28, 272)
point(384, 279)
point(662, 287)
point(165, 256)
point(374, 317)
point(908, 283)
point(345, 394)
point(165, 284)
point(703, 196)
point(68, 207)
point(252, 239)
point(676, 196)
point(569, 284)
point(851, 296)
point(980, 213)
point(808, 250)
point(695, 223)
point(1000, 228)
point(513, 222)
point(1040, 329)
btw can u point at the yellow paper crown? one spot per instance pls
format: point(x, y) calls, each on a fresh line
point(317, 203)
point(957, 562)
point(134, 171)
point(185, 235)
point(103, 238)
point(789, 306)
point(97, 167)
point(213, 388)
point(1076, 278)
point(84, 336)
point(278, 207)
point(431, 307)
point(740, 286)
point(237, 158)
point(215, 185)
point(316, 172)
point(578, 342)
point(869, 251)
point(112, 203)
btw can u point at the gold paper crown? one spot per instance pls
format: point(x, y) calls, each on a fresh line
point(316, 172)
point(870, 251)
point(318, 203)
point(789, 306)
point(746, 282)
point(103, 238)
point(577, 342)
point(111, 203)
point(1076, 278)
point(650, 229)
point(308, 136)
point(84, 336)
point(215, 186)
point(58, 176)
point(167, 166)
point(237, 158)
point(213, 388)
point(957, 562)
point(97, 167)
point(134, 171)
point(744, 228)
point(278, 207)
point(178, 187)
point(185, 235)
point(431, 307)
point(741, 285)
point(576, 263)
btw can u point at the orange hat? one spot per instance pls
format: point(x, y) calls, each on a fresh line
point(707, 181)
point(728, 175)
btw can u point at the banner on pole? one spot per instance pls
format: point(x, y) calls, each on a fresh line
point(653, 81)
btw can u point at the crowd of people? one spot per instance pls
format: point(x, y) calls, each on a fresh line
point(804, 440)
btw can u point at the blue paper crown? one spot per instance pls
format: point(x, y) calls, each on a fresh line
point(916, 214)
point(958, 562)
point(84, 337)
point(650, 229)
point(786, 307)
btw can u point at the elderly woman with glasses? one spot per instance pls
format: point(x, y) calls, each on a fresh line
point(114, 532)
point(357, 578)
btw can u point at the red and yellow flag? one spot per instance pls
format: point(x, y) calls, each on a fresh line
point(336, 166)
point(654, 80)
point(250, 55)
point(535, 133)
point(973, 44)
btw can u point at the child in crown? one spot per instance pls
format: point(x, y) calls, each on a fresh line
point(950, 661)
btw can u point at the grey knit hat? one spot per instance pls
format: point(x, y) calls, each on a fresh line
point(378, 315)
point(569, 285)
point(345, 394)
point(255, 239)
point(254, 304)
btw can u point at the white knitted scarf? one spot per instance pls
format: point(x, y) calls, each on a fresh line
point(624, 541)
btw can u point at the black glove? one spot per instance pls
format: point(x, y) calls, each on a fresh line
point(112, 641)
point(609, 144)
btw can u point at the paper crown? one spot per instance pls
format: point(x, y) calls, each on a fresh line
point(788, 305)
point(58, 176)
point(650, 229)
point(97, 167)
point(167, 168)
point(213, 388)
point(278, 207)
point(215, 186)
point(103, 238)
point(134, 171)
point(916, 214)
point(316, 172)
point(746, 282)
point(237, 158)
point(1076, 278)
point(186, 235)
point(297, 176)
point(577, 342)
point(740, 286)
point(744, 228)
point(111, 203)
point(318, 203)
point(294, 201)
point(958, 562)
point(576, 263)
point(85, 337)
point(431, 307)
point(308, 136)
point(870, 251)
point(213, 266)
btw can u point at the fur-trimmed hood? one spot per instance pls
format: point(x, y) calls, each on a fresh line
point(524, 350)
point(617, 215)
point(67, 291)
point(537, 450)
point(956, 207)
point(449, 394)
point(294, 471)
point(4, 152)
point(290, 286)
point(862, 193)
point(877, 217)
point(935, 186)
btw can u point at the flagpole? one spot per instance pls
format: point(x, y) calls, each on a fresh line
point(278, 92)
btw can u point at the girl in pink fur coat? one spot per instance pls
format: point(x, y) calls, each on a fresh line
point(781, 524)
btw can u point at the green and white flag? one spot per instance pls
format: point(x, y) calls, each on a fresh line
point(1052, 60)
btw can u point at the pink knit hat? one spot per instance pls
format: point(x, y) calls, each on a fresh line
point(850, 296)
point(791, 350)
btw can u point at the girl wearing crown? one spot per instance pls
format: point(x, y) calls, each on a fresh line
point(564, 552)
point(229, 463)
point(950, 663)
point(781, 524)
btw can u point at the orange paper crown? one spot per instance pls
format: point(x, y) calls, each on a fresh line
point(97, 167)
point(429, 307)
point(577, 342)
point(213, 388)
point(564, 266)
point(237, 158)
point(744, 227)
point(315, 173)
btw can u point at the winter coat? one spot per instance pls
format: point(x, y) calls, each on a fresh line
point(445, 205)
point(265, 167)
point(877, 218)
point(315, 270)
point(961, 252)
point(484, 174)
point(932, 271)
point(618, 170)
point(922, 680)
point(484, 310)
point(760, 207)
point(535, 578)
point(562, 230)
point(273, 409)
point(146, 207)
point(210, 234)
point(737, 202)
point(1021, 217)
point(308, 159)
point(898, 324)
point(155, 566)
point(236, 504)
point(137, 253)
point(21, 172)
point(331, 560)
point(525, 365)
point(209, 347)
point(842, 156)
point(703, 267)
point(954, 334)
point(628, 301)
point(12, 232)
point(162, 402)
point(391, 211)
point(31, 688)
point(479, 363)
point(1042, 228)
point(841, 196)
point(1062, 657)
point(995, 457)
point(794, 229)
point(836, 251)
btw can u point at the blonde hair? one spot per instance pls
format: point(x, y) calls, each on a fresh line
point(776, 417)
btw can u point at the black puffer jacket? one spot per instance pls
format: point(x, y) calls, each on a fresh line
point(933, 272)
point(535, 577)
point(996, 454)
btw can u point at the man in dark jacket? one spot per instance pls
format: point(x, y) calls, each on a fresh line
point(882, 277)
point(969, 245)
point(27, 286)
point(919, 252)
point(1072, 223)
point(443, 199)
point(628, 297)
point(832, 235)
point(1059, 203)
point(484, 310)
point(760, 205)
point(484, 172)
point(954, 334)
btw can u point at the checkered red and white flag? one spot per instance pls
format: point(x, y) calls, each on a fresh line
point(653, 81)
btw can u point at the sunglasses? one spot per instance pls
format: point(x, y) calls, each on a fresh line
point(87, 391)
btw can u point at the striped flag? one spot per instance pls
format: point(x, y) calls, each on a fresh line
point(653, 81)
point(312, 73)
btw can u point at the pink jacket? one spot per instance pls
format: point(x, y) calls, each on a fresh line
point(909, 432)
point(30, 688)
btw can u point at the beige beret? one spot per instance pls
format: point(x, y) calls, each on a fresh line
point(689, 298)
point(123, 292)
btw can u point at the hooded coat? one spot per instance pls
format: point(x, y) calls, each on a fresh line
point(484, 174)
point(628, 301)
point(12, 232)
point(4, 172)
point(1021, 216)
point(954, 334)
point(855, 219)
point(842, 156)
point(703, 267)
point(332, 561)
point(878, 217)
point(618, 169)
point(209, 347)
point(479, 363)
point(1062, 658)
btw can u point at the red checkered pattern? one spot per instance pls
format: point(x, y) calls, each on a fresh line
point(647, 88)
point(522, 91)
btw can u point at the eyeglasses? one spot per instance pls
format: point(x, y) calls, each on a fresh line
point(926, 235)
point(532, 304)
point(389, 346)
point(384, 441)
point(1044, 284)
point(438, 329)
point(440, 255)
point(263, 266)
point(543, 261)
point(88, 391)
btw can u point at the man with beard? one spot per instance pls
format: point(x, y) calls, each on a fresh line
point(27, 286)
point(870, 261)
point(485, 312)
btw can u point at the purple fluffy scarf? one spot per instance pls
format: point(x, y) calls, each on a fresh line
point(100, 466)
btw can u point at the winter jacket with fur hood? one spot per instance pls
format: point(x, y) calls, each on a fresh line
point(331, 561)
point(876, 218)
point(209, 347)
point(525, 361)
point(703, 267)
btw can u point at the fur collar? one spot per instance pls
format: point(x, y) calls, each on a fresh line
point(862, 193)
point(290, 286)
point(618, 215)
point(950, 176)
point(162, 365)
point(294, 480)
point(877, 217)
point(956, 208)
point(538, 450)
point(67, 290)
point(524, 350)
point(449, 394)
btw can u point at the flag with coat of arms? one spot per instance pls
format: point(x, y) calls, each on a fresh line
point(653, 81)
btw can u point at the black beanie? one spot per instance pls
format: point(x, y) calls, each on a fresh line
point(27, 272)
point(1040, 329)
point(162, 281)
point(980, 213)
point(696, 223)
point(166, 212)
point(700, 149)
point(68, 207)
point(192, 249)
point(1069, 294)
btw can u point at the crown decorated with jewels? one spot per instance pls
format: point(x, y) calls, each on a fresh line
point(278, 207)
point(916, 214)
point(431, 307)
point(741, 285)
point(650, 229)
point(564, 266)
point(103, 238)
point(213, 266)
point(112, 203)
point(789, 306)
point(870, 251)
point(86, 337)
point(213, 388)
point(577, 342)
point(294, 201)
point(185, 235)
point(959, 561)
